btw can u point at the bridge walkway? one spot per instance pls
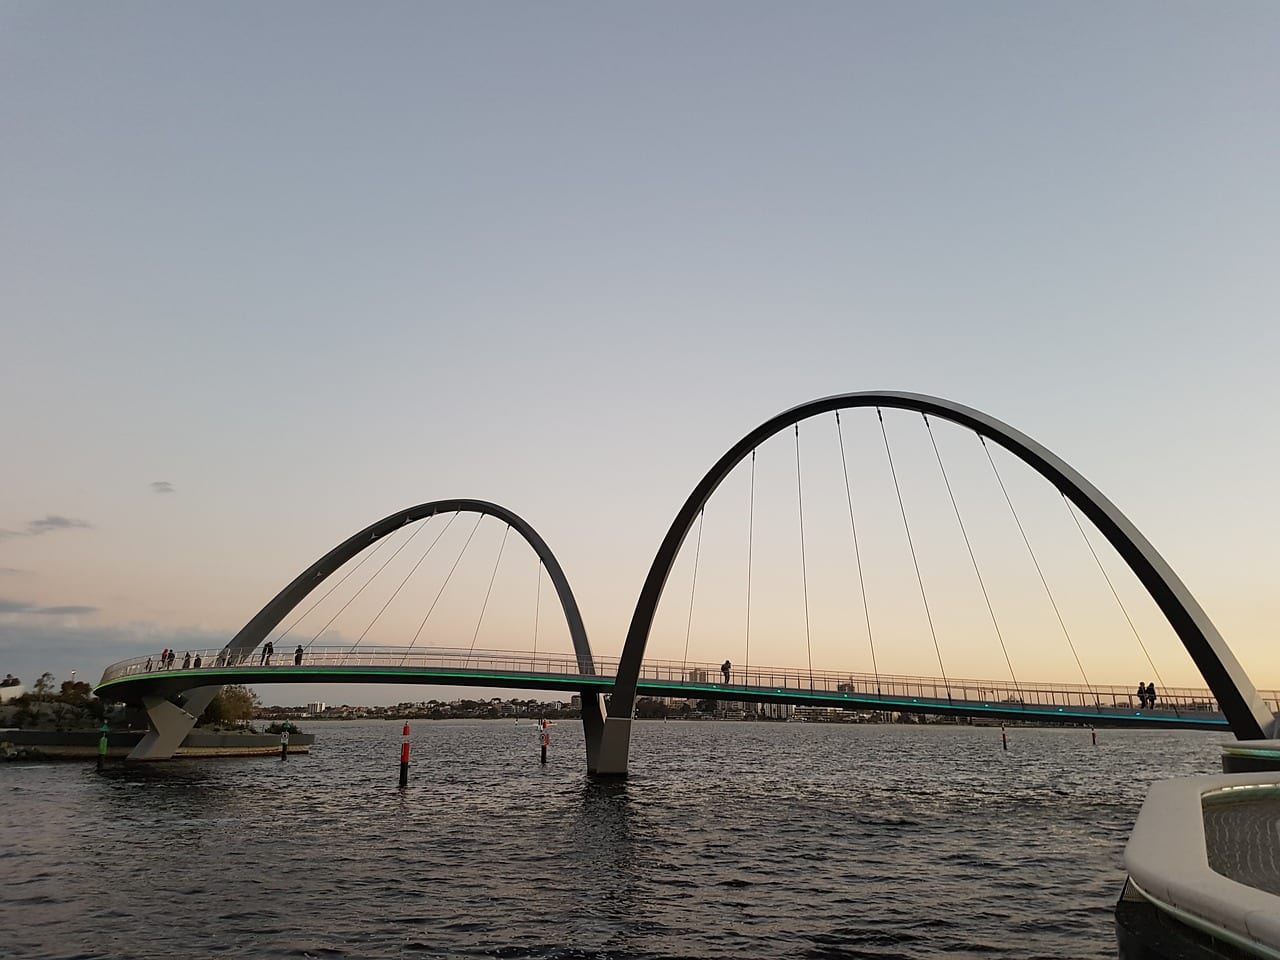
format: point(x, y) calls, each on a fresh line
point(1043, 702)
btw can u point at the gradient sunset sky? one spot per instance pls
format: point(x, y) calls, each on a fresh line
point(269, 272)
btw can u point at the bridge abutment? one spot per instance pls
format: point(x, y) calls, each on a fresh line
point(170, 723)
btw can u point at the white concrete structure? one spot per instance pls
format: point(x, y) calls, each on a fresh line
point(1168, 862)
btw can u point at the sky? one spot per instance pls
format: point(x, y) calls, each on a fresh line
point(271, 272)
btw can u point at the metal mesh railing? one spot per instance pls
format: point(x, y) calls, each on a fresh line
point(698, 678)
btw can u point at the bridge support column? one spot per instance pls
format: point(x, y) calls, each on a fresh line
point(593, 717)
point(615, 747)
point(170, 723)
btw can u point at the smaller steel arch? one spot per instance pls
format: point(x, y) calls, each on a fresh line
point(269, 617)
point(169, 723)
point(1245, 710)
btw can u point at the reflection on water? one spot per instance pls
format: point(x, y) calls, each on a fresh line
point(729, 840)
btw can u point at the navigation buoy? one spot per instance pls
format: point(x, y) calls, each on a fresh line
point(404, 758)
point(284, 742)
point(102, 748)
point(1004, 740)
point(545, 739)
point(1094, 734)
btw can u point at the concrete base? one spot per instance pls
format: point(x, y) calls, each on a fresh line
point(170, 723)
point(615, 748)
point(1251, 756)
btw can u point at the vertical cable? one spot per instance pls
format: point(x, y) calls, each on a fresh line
point(751, 521)
point(412, 571)
point(804, 572)
point(1102, 569)
point(443, 585)
point(692, 589)
point(857, 554)
point(485, 606)
point(366, 583)
point(973, 559)
point(910, 543)
point(368, 556)
point(1049, 593)
point(537, 608)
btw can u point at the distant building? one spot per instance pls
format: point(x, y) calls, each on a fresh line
point(316, 708)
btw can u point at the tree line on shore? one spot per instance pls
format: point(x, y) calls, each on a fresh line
point(71, 705)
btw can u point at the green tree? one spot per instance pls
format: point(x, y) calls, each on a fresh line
point(234, 704)
point(74, 691)
point(44, 686)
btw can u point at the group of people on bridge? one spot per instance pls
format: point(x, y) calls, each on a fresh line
point(226, 658)
point(1147, 695)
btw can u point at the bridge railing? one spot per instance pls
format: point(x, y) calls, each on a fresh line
point(386, 658)
point(697, 677)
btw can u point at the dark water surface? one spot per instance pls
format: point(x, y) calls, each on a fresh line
point(729, 840)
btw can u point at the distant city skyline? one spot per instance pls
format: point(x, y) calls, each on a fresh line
point(269, 274)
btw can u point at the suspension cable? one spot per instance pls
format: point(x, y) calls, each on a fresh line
point(366, 583)
point(412, 571)
point(857, 554)
point(751, 522)
point(537, 608)
point(973, 559)
point(911, 544)
point(688, 627)
point(804, 572)
point(443, 585)
point(1102, 569)
point(1049, 593)
point(368, 556)
point(484, 606)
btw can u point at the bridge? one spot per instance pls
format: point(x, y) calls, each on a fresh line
point(1098, 705)
point(175, 698)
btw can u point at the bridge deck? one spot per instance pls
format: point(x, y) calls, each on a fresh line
point(1099, 704)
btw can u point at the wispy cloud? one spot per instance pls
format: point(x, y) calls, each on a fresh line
point(20, 606)
point(46, 524)
point(13, 572)
point(163, 486)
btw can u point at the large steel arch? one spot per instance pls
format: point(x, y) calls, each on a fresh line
point(1248, 714)
point(170, 724)
point(266, 620)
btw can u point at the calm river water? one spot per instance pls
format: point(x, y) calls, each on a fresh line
point(729, 840)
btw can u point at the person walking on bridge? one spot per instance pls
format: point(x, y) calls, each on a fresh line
point(726, 668)
point(1151, 694)
point(267, 651)
point(1142, 695)
point(297, 656)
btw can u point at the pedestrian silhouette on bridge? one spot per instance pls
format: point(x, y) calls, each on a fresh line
point(1142, 695)
point(297, 656)
point(267, 651)
point(1151, 694)
point(197, 663)
point(725, 668)
point(186, 661)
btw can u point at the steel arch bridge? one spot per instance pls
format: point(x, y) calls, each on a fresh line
point(170, 723)
point(1245, 710)
point(608, 736)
